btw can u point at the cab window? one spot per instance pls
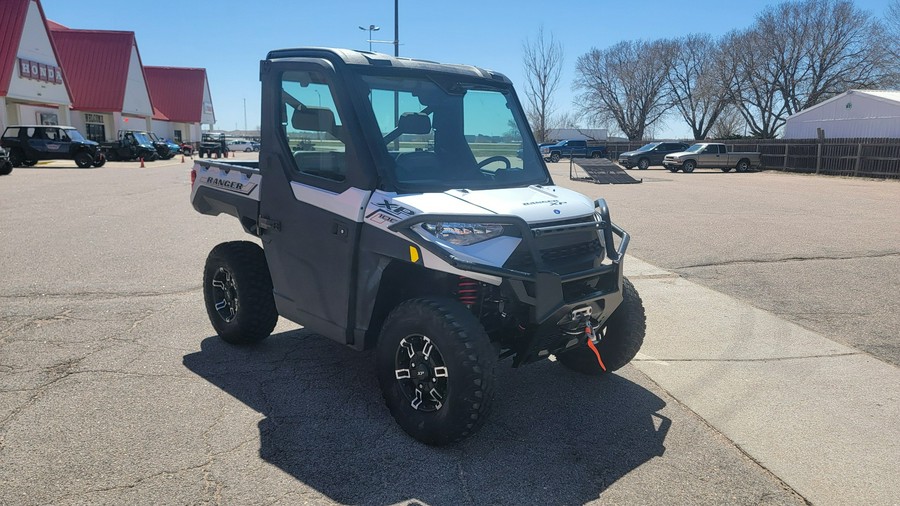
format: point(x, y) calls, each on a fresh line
point(312, 126)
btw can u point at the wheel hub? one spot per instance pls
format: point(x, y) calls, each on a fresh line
point(224, 294)
point(421, 372)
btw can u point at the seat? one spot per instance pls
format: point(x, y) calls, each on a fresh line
point(418, 165)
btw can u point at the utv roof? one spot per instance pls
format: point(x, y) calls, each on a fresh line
point(66, 127)
point(366, 58)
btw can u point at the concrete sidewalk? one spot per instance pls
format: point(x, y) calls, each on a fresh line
point(819, 415)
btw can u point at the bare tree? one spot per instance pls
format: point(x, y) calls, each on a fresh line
point(626, 84)
point(543, 60)
point(822, 48)
point(697, 92)
point(892, 33)
point(753, 81)
point(728, 125)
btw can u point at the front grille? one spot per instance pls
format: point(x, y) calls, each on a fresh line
point(562, 253)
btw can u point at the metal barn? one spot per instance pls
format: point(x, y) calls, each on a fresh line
point(855, 114)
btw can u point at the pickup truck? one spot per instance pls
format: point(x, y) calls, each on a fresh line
point(572, 149)
point(400, 233)
point(711, 155)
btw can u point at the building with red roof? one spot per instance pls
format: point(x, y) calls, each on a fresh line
point(106, 79)
point(181, 102)
point(32, 86)
point(93, 80)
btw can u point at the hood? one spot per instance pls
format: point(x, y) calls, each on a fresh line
point(677, 154)
point(628, 153)
point(534, 204)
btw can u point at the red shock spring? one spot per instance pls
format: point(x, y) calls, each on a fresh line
point(467, 291)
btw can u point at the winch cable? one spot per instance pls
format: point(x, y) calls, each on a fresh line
point(590, 342)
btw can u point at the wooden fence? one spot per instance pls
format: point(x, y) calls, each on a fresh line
point(878, 158)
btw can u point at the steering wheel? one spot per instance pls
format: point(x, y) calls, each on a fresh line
point(493, 159)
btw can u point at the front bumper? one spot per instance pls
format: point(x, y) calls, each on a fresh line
point(551, 295)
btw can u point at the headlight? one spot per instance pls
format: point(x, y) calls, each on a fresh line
point(463, 234)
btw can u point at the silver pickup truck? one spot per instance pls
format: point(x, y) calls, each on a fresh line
point(709, 155)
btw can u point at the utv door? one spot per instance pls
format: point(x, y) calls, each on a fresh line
point(312, 197)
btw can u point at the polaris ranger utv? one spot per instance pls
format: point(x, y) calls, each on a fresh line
point(412, 227)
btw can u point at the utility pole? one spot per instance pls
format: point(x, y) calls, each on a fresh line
point(245, 116)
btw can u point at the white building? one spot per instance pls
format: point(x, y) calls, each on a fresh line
point(32, 88)
point(855, 114)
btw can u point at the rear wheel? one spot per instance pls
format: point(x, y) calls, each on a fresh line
point(621, 338)
point(16, 157)
point(237, 290)
point(643, 163)
point(5, 167)
point(83, 159)
point(743, 166)
point(689, 166)
point(435, 365)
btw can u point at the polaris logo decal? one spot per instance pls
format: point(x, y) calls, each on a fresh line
point(232, 186)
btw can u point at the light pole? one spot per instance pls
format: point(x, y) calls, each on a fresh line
point(371, 28)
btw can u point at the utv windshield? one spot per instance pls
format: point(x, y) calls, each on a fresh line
point(75, 135)
point(142, 138)
point(441, 132)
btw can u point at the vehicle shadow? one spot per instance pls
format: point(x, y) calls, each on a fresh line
point(554, 436)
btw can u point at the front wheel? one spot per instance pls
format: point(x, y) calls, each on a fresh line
point(689, 166)
point(554, 157)
point(237, 290)
point(5, 167)
point(620, 338)
point(83, 159)
point(643, 164)
point(672, 168)
point(435, 365)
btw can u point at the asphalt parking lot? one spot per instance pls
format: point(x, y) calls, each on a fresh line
point(115, 391)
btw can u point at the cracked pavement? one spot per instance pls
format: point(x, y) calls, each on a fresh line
point(114, 391)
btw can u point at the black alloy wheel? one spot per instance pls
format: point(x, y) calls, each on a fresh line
point(422, 373)
point(435, 365)
point(237, 291)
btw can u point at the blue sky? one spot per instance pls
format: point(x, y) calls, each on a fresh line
point(229, 37)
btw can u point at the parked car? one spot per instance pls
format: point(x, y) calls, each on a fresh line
point(254, 145)
point(29, 143)
point(5, 165)
point(650, 154)
point(711, 155)
point(572, 148)
point(240, 145)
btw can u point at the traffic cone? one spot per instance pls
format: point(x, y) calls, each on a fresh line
point(142, 162)
point(182, 157)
